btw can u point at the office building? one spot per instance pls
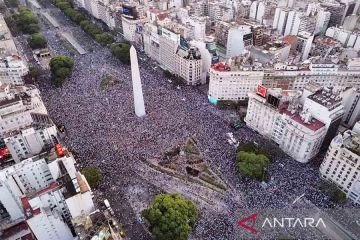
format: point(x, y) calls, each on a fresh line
point(232, 81)
point(341, 164)
point(19, 107)
point(189, 65)
point(300, 122)
point(12, 70)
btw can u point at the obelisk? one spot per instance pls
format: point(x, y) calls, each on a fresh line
point(136, 81)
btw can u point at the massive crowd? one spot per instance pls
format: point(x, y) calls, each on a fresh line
point(102, 130)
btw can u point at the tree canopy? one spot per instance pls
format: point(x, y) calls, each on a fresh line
point(37, 40)
point(122, 52)
point(171, 216)
point(251, 164)
point(92, 175)
point(104, 38)
point(61, 68)
point(335, 194)
point(26, 21)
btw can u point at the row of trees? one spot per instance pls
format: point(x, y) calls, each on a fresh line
point(120, 50)
point(26, 22)
point(171, 217)
point(104, 38)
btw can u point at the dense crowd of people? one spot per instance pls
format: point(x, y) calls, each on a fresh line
point(102, 130)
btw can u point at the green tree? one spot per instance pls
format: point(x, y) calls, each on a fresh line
point(37, 40)
point(92, 29)
point(171, 217)
point(84, 23)
point(34, 72)
point(104, 38)
point(32, 28)
point(121, 51)
point(337, 196)
point(252, 165)
point(61, 68)
point(63, 5)
point(334, 193)
point(26, 21)
point(92, 175)
point(78, 17)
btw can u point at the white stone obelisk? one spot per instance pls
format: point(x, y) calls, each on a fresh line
point(136, 81)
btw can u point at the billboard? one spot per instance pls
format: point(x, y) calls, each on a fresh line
point(129, 11)
point(261, 90)
point(139, 27)
point(183, 43)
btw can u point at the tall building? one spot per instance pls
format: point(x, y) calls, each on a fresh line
point(280, 19)
point(7, 45)
point(12, 70)
point(44, 193)
point(304, 44)
point(341, 164)
point(350, 98)
point(232, 82)
point(322, 21)
point(19, 107)
point(300, 122)
point(233, 38)
point(31, 140)
point(131, 22)
point(189, 65)
point(168, 42)
point(337, 12)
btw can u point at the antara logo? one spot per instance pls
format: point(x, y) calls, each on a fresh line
point(253, 220)
point(286, 222)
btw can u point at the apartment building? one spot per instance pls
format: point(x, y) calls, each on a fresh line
point(232, 83)
point(12, 70)
point(189, 65)
point(341, 164)
point(31, 140)
point(19, 107)
point(44, 193)
point(301, 122)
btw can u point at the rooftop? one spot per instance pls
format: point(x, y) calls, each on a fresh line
point(351, 141)
point(326, 41)
point(313, 124)
point(327, 98)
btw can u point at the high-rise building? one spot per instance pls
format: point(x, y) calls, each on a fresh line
point(12, 70)
point(19, 107)
point(189, 65)
point(304, 44)
point(322, 21)
point(44, 193)
point(350, 98)
point(232, 82)
point(31, 140)
point(300, 122)
point(233, 38)
point(280, 19)
point(341, 164)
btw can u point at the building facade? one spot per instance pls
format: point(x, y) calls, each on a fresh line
point(296, 120)
point(341, 164)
